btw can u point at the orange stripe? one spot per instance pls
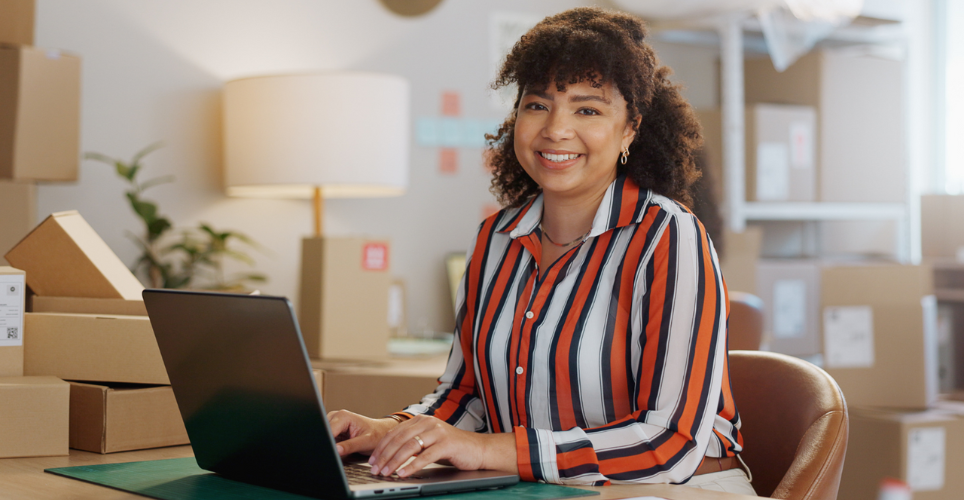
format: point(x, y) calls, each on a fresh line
point(629, 200)
point(704, 339)
point(575, 458)
point(567, 417)
point(617, 358)
point(657, 296)
point(522, 454)
point(656, 457)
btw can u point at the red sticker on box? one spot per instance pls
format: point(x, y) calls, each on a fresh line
point(375, 257)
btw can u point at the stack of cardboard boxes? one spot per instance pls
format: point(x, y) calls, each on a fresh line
point(818, 132)
point(88, 326)
point(39, 125)
point(39, 119)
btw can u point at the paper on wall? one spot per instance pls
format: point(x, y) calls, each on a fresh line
point(11, 309)
point(772, 171)
point(789, 308)
point(925, 458)
point(848, 336)
point(505, 29)
point(801, 145)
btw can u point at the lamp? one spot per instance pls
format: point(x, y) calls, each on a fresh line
point(325, 135)
point(322, 135)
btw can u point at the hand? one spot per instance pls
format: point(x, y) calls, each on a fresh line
point(356, 433)
point(465, 450)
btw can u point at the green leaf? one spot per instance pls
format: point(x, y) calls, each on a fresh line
point(157, 227)
point(146, 151)
point(155, 181)
point(99, 157)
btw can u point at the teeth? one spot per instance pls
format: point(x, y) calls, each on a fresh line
point(558, 158)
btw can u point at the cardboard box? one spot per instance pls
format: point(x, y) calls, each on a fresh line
point(17, 21)
point(93, 348)
point(859, 104)
point(39, 114)
point(107, 419)
point(922, 449)
point(379, 389)
point(18, 204)
point(790, 290)
point(64, 257)
point(942, 234)
point(11, 321)
point(781, 151)
point(34, 412)
point(879, 334)
point(79, 305)
point(739, 263)
point(343, 311)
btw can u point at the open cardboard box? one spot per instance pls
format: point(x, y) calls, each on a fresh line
point(64, 257)
point(111, 418)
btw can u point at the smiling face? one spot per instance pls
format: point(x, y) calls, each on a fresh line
point(569, 142)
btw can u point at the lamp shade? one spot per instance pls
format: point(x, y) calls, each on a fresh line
point(346, 133)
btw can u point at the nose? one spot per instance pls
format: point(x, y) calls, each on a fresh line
point(558, 126)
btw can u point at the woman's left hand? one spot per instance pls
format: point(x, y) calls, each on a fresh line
point(465, 450)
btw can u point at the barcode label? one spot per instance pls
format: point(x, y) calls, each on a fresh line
point(11, 309)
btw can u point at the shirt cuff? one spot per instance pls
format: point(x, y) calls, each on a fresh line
point(536, 455)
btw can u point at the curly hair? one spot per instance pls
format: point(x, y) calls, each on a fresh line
point(600, 46)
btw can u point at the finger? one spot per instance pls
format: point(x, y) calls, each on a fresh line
point(360, 444)
point(393, 441)
point(429, 456)
point(387, 439)
point(338, 424)
point(406, 451)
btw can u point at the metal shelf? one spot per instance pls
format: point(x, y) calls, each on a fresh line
point(817, 211)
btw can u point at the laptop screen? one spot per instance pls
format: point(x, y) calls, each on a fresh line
point(243, 382)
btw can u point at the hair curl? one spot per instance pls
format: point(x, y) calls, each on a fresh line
point(599, 46)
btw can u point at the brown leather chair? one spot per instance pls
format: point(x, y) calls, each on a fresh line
point(745, 324)
point(794, 425)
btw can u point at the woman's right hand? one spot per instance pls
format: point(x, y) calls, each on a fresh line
point(356, 433)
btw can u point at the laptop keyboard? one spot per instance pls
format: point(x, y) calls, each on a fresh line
point(360, 474)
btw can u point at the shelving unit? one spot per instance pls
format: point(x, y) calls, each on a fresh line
point(737, 34)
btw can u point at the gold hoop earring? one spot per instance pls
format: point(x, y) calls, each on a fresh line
point(625, 156)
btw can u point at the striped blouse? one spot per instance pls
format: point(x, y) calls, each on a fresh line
point(610, 365)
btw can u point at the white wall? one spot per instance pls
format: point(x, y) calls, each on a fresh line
point(153, 70)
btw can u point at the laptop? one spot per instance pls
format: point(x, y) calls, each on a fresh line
point(243, 383)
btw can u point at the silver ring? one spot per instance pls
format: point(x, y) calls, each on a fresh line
point(420, 442)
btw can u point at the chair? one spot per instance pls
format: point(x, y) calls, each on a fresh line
point(794, 425)
point(745, 326)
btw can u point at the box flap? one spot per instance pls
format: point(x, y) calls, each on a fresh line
point(64, 257)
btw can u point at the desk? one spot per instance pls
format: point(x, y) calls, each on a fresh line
point(25, 478)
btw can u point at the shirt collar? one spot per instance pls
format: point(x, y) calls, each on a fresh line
point(623, 204)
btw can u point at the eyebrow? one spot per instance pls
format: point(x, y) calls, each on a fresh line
point(575, 98)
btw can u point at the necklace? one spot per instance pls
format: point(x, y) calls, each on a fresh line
point(565, 245)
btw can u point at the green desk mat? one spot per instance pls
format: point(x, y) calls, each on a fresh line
point(182, 479)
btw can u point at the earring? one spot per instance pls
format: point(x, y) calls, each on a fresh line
point(625, 156)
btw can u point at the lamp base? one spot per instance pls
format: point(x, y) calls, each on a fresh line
point(343, 308)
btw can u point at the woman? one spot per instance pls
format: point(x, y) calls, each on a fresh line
point(591, 328)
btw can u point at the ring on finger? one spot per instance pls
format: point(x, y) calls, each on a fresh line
point(419, 441)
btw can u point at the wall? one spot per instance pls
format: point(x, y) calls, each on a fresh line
point(153, 70)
